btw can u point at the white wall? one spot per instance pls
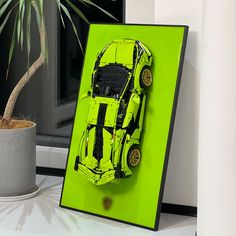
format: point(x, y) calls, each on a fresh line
point(140, 11)
point(217, 149)
point(181, 182)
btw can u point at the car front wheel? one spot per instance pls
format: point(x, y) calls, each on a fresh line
point(145, 77)
point(134, 156)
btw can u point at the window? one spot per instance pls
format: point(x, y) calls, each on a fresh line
point(50, 97)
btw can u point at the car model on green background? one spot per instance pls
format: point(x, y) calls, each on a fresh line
point(109, 147)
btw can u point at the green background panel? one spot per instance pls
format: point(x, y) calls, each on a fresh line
point(136, 199)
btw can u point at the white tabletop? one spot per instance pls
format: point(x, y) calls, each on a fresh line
point(43, 216)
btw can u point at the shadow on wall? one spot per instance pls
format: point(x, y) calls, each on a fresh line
point(181, 182)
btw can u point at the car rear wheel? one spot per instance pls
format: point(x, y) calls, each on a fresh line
point(145, 77)
point(134, 156)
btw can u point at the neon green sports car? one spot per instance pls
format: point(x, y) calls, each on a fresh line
point(109, 147)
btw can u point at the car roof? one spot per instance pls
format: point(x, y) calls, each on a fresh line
point(119, 51)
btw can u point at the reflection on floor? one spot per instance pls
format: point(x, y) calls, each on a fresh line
point(42, 216)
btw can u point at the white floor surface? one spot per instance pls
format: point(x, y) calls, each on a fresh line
point(42, 216)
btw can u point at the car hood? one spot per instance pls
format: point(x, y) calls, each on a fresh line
point(120, 52)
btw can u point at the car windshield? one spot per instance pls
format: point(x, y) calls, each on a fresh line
point(110, 81)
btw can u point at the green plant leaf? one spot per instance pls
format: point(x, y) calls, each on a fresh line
point(6, 18)
point(59, 10)
point(2, 2)
point(4, 22)
point(28, 30)
point(23, 20)
point(12, 46)
point(84, 3)
point(19, 21)
point(22, 25)
point(38, 7)
point(65, 10)
point(4, 7)
point(77, 10)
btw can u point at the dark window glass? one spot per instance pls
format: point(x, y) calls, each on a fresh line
point(50, 97)
point(71, 56)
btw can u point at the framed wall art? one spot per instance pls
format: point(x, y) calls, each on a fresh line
point(124, 120)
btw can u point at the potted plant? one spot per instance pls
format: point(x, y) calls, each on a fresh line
point(17, 137)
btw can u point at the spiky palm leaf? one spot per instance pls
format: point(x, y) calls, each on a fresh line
point(22, 11)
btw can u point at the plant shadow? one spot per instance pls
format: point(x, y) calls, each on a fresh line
point(47, 202)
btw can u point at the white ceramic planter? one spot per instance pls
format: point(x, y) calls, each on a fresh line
point(17, 161)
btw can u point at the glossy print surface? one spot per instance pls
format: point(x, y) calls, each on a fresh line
point(136, 199)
